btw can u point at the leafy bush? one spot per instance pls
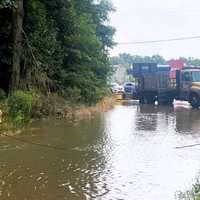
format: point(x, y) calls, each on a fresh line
point(92, 93)
point(20, 105)
point(73, 95)
point(47, 105)
point(2, 95)
point(7, 4)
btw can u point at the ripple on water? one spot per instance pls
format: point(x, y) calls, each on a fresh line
point(126, 154)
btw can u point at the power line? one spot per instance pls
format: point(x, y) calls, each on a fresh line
point(159, 41)
point(186, 146)
point(35, 144)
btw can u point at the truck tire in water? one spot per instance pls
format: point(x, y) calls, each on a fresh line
point(147, 99)
point(163, 100)
point(150, 100)
point(194, 100)
point(141, 99)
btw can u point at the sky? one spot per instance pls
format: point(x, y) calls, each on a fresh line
point(144, 20)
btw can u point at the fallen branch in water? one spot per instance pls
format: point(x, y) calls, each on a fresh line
point(187, 146)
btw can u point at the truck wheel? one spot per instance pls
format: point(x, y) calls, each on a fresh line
point(194, 100)
point(165, 101)
point(146, 99)
point(171, 100)
point(150, 100)
point(134, 96)
point(141, 99)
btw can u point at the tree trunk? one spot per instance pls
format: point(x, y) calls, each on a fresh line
point(18, 15)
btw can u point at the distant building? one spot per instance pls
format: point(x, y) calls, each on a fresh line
point(120, 74)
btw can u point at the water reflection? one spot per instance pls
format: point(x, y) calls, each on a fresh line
point(127, 153)
point(51, 174)
point(148, 116)
point(187, 121)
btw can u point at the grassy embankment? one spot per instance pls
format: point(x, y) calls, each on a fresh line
point(21, 108)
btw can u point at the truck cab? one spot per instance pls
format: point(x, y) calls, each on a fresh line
point(189, 86)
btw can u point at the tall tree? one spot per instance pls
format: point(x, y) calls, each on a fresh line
point(64, 45)
point(18, 15)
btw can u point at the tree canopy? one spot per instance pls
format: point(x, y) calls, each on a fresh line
point(125, 58)
point(54, 45)
point(128, 59)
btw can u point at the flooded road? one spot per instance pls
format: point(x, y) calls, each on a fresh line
point(127, 153)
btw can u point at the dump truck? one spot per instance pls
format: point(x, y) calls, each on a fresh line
point(154, 83)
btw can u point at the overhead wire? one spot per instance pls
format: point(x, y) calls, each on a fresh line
point(48, 146)
point(159, 41)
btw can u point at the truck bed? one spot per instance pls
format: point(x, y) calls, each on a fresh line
point(160, 81)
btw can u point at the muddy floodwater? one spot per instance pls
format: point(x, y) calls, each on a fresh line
point(127, 153)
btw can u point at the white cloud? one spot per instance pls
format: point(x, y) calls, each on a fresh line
point(138, 20)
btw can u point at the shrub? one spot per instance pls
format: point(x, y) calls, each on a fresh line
point(20, 106)
point(47, 105)
point(73, 95)
point(3, 103)
point(2, 95)
point(92, 94)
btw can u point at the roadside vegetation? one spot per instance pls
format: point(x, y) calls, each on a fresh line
point(56, 46)
point(21, 107)
point(193, 194)
point(53, 51)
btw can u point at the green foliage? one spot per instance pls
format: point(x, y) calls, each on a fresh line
point(2, 95)
point(73, 95)
point(125, 59)
point(65, 47)
point(20, 106)
point(69, 40)
point(192, 61)
point(48, 105)
point(7, 4)
point(193, 194)
point(90, 87)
